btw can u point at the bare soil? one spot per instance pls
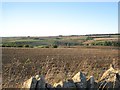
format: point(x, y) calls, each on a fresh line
point(19, 64)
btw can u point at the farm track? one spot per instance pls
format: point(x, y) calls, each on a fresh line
point(19, 64)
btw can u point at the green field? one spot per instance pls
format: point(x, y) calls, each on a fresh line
point(62, 41)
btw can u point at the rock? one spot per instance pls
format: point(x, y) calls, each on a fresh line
point(65, 84)
point(35, 83)
point(117, 80)
point(91, 82)
point(69, 84)
point(58, 85)
point(107, 73)
point(110, 79)
point(41, 84)
point(79, 77)
point(80, 80)
point(27, 84)
point(49, 86)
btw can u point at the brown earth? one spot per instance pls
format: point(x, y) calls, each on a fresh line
point(105, 39)
point(100, 39)
point(19, 64)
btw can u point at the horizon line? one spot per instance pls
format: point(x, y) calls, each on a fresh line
point(62, 35)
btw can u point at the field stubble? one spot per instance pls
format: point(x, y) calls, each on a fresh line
point(19, 64)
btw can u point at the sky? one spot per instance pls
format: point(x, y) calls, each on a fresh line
point(58, 18)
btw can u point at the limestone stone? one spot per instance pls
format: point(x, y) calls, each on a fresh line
point(80, 80)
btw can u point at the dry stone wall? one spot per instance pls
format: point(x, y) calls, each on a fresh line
point(109, 80)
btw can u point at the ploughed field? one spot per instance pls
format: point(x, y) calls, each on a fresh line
point(56, 64)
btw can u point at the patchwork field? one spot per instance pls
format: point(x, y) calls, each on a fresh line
point(62, 41)
point(19, 64)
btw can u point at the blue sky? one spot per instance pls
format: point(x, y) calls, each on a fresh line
point(58, 18)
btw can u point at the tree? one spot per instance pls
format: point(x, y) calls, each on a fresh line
point(54, 46)
point(26, 46)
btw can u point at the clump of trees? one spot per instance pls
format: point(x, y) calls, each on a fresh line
point(55, 46)
point(89, 38)
point(107, 43)
point(59, 43)
point(66, 43)
point(47, 46)
point(15, 45)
